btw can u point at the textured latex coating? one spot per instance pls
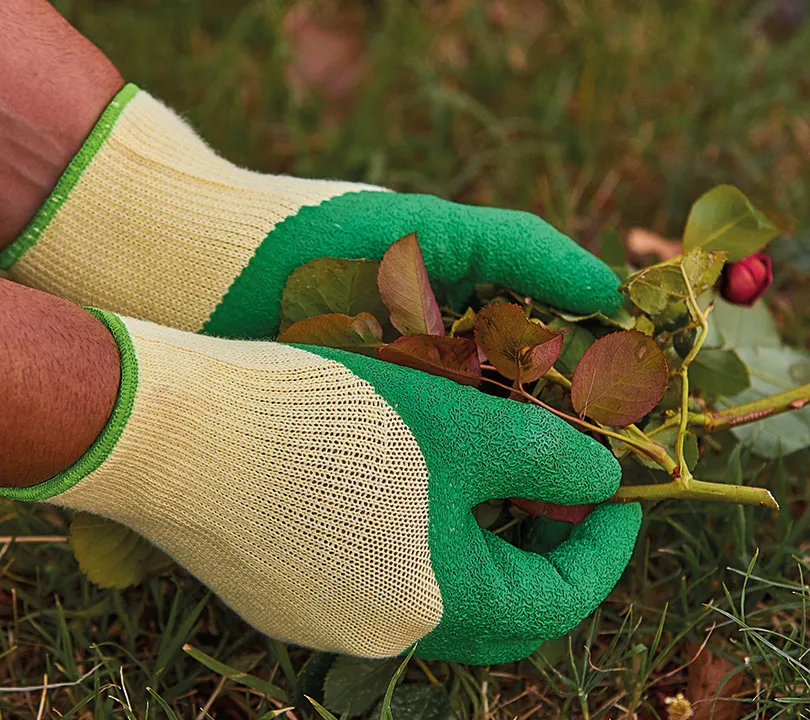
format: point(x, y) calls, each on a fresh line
point(460, 244)
point(501, 603)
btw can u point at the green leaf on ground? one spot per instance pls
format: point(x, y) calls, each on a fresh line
point(405, 289)
point(112, 555)
point(354, 684)
point(418, 702)
point(513, 343)
point(718, 372)
point(620, 378)
point(332, 285)
point(451, 357)
point(311, 678)
point(774, 370)
point(653, 289)
point(724, 219)
point(361, 334)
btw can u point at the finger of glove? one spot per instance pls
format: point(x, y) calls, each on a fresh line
point(524, 451)
point(525, 253)
point(547, 595)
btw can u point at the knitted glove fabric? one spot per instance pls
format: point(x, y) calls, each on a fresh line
point(149, 222)
point(327, 496)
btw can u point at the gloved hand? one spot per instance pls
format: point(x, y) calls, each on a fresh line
point(327, 496)
point(149, 222)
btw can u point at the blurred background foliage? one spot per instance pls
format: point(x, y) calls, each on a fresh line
point(592, 113)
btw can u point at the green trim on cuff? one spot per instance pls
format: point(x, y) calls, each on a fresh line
point(103, 445)
point(100, 132)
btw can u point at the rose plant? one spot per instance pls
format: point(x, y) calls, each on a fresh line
point(653, 381)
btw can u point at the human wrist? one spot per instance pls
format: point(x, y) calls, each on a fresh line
point(55, 84)
point(59, 374)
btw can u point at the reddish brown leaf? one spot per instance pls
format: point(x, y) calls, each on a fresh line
point(706, 682)
point(511, 341)
point(620, 378)
point(361, 333)
point(566, 513)
point(454, 358)
point(405, 289)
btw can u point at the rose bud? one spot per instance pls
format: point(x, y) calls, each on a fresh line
point(743, 282)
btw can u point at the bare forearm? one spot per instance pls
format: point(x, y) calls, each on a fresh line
point(54, 84)
point(59, 374)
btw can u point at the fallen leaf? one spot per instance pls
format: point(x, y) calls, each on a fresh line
point(516, 345)
point(620, 378)
point(405, 289)
point(706, 682)
point(453, 358)
point(361, 333)
point(113, 556)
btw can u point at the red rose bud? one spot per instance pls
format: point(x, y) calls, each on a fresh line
point(743, 282)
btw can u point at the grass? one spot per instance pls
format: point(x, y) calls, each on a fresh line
point(589, 112)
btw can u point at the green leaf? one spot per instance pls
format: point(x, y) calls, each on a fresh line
point(576, 341)
point(251, 681)
point(361, 334)
point(332, 286)
point(112, 555)
point(514, 344)
point(734, 326)
point(418, 702)
point(321, 710)
point(724, 219)
point(774, 370)
point(450, 357)
point(311, 678)
point(385, 706)
point(353, 684)
point(620, 378)
point(405, 289)
point(718, 372)
point(620, 319)
point(465, 324)
point(653, 289)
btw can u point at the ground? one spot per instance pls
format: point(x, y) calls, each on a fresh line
point(589, 112)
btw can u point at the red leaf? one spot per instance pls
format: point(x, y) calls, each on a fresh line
point(620, 378)
point(361, 333)
point(454, 358)
point(405, 289)
point(566, 513)
point(512, 341)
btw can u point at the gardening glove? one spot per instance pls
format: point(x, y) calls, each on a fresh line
point(149, 222)
point(327, 496)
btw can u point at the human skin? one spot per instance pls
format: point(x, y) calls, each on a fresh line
point(59, 374)
point(54, 84)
